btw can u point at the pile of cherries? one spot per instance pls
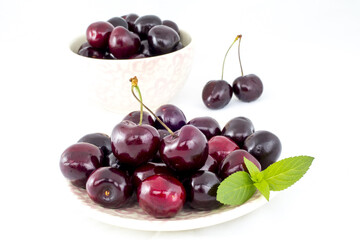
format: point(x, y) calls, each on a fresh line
point(131, 37)
point(217, 94)
point(167, 162)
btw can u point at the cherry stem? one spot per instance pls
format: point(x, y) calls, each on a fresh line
point(134, 82)
point(242, 73)
point(141, 104)
point(222, 73)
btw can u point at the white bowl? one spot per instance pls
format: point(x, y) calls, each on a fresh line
point(160, 77)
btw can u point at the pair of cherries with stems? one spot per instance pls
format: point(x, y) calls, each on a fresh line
point(217, 94)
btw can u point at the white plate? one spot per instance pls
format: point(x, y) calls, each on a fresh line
point(135, 218)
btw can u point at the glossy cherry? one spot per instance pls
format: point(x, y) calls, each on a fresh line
point(264, 146)
point(78, 161)
point(133, 144)
point(143, 24)
point(171, 24)
point(248, 88)
point(171, 115)
point(186, 151)
point(144, 48)
point(101, 140)
point(216, 94)
point(161, 196)
point(92, 52)
point(109, 187)
point(118, 21)
point(207, 125)
point(135, 117)
point(123, 43)
point(234, 162)
point(162, 39)
point(210, 165)
point(130, 19)
point(220, 147)
point(98, 33)
point(149, 169)
point(163, 133)
point(201, 190)
point(238, 129)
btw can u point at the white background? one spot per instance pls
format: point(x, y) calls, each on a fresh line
point(305, 52)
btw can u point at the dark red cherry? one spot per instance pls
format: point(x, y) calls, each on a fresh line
point(78, 161)
point(264, 146)
point(144, 48)
point(109, 187)
point(144, 23)
point(149, 169)
point(171, 24)
point(101, 140)
point(92, 52)
point(118, 21)
point(135, 118)
point(123, 43)
point(210, 165)
point(161, 196)
point(220, 147)
point(133, 144)
point(163, 133)
point(98, 33)
point(238, 129)
point(207, 125)
point(248, 88)
point(234, 162)
point(171, 115)
point(162, 39)
point(216, 94)
point(130, 19)
point(186, 151)
point(201, 190)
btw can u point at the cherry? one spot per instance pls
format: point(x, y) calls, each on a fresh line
point(171, 116)
point(234, 162)
point(217, 94)
point(163, 133)
point(134, 144)
point(162, 39)
point(171, 24)
point(78, 161)
point(92, 52)
point(123, 43)
point(186, 151)
point(118, 21)
point(210, 165)
point(144, 48)
point(178, 46)
point(264, 146)
point(135, 118)
point(101, 140)
point(207, 125)
point(130, 19)
point(247, 88)
point(238, 129)
point(220, 147)
point(98, 33)
point(144, 23)
point(161, 196)
point(149, 169)
point(109, 187)
point(201, 190)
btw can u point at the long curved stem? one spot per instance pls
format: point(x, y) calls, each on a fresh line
point(222, 73)
point(242, 73)
point(134, 82)
point(141, 102)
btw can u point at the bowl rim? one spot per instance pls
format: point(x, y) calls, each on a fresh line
point(74, 44)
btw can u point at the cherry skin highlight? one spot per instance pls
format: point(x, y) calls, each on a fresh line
point(161, 196)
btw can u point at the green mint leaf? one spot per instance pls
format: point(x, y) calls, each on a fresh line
point(263, 188)
point(252, 168)
point(282, 174)
point(236, 189)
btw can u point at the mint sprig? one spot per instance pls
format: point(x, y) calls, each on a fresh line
point(241, 186)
